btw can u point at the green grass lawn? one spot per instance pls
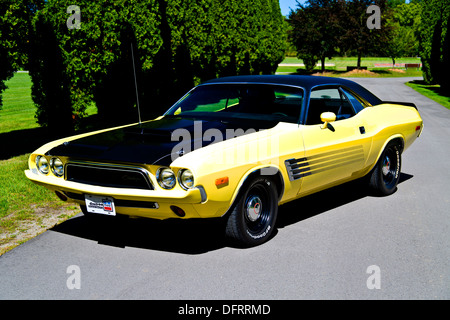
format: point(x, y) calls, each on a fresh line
point(25, 208)
point(17, 114)
point(431, 91)
point(17, 194)
point(18, 108)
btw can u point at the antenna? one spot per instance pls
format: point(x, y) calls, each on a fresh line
point(135, 85)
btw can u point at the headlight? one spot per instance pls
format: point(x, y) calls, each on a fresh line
point(57, 167)
point(166, 178)
point(186, 179)
point(42, 164)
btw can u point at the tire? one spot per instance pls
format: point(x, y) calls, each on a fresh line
point(253, 218)
point(385, 175)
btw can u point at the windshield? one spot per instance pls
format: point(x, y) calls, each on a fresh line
point(252, 101)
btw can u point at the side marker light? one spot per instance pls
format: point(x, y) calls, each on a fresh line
point(222, 182)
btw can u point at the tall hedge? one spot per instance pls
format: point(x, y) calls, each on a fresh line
point(71, 68)
point(176, 43)
point(432, 40)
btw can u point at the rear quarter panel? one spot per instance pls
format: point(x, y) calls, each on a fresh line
point(386, 122)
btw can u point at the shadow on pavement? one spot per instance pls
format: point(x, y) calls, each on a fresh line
point(197, 236)
point(173, 235)
point(312, 205)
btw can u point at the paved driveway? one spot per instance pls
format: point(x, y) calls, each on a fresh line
point(333, 245)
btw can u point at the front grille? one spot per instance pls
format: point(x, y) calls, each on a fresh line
point(109, 176)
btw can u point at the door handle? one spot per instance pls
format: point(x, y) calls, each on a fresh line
point(362, 130)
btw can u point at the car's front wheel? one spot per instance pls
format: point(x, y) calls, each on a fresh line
point(386, 174)
point(253, 217)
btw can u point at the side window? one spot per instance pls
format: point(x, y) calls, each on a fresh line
point(287, 103)
point(328, 100)
point(357, 105)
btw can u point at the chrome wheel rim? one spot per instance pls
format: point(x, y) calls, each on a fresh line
point(389, 168)
point(386, 166)
point(254, 208)
point(257, 209)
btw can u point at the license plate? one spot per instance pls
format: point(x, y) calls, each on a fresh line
point(100, 204)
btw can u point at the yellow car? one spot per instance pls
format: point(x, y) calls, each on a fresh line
point(237, 148)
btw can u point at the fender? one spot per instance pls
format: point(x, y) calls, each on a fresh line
point(279, 180)
point(397, 136)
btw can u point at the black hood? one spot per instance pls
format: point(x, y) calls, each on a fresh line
point(151, 142)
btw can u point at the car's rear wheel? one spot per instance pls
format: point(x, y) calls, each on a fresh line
point(253, 217)
point(386, 173)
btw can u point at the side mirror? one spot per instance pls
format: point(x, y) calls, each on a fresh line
point(326, 118)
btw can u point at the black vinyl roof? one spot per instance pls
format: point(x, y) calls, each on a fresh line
point(306, 82)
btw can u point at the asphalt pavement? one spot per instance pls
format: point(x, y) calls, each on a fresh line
point(338, 244)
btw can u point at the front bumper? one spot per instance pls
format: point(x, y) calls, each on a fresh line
point(132, 202)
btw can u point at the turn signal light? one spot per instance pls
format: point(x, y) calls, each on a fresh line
point(221, 182)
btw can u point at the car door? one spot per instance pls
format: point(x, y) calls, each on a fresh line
point(335, 152)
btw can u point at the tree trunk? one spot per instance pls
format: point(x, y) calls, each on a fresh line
point(358, 66)
point(322, 60)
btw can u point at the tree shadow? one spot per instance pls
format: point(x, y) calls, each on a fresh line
point(15, 143)
point(19, 142)
point(438, 90)
point(197, 236)
point(381, 72)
